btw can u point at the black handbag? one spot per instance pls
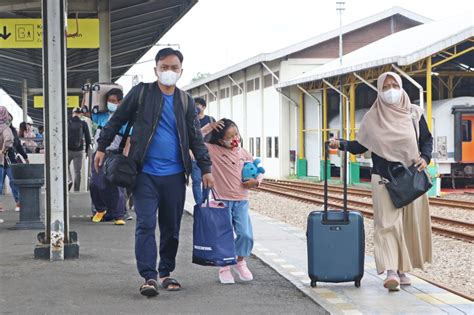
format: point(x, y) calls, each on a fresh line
point(408, 183)
point(119, 169)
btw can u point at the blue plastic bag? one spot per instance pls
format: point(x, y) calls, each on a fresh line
point(213, 235)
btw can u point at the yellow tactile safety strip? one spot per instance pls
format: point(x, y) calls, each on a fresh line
point(339, 302)
point(327, 294)
point(442, 298)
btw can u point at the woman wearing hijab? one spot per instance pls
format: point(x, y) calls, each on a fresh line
point(6, 142)
point(396, 132)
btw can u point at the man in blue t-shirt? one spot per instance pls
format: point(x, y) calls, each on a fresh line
point(164, 132)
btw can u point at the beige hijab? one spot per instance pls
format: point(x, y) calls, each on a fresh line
point(387, 130)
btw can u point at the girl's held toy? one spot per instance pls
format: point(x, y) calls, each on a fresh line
point(251, 170)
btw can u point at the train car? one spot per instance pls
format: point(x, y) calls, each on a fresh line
point(453, 129)
point(453, 149)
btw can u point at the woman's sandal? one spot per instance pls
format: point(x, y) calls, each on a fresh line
point(167, 282)
point(149, 288)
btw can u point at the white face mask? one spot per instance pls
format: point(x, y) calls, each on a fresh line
point(168, 78)
point(111, 107)
point(391, 96)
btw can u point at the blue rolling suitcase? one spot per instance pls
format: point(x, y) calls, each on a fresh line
point(336, 240)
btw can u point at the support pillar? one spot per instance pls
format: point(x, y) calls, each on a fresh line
point(429, 97)
point(433, 167)
point(264, 149)
point(325, 135)
point(24, 100)
point(354, 166)
point(56, 237)
point(302, 165)
point(105, 48)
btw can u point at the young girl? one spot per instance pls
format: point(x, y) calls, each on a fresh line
point(227, 161)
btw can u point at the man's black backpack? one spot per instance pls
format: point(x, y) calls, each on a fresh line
point(75, 134)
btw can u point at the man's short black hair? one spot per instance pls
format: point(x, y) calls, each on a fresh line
point(116, 92)
point(165, 52)
point(200, 101)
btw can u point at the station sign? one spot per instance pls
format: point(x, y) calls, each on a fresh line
point(28, 33)
point(71, 101)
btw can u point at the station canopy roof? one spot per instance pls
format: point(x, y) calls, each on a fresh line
point(136, 26)
point(402, 48)
point(286, 51)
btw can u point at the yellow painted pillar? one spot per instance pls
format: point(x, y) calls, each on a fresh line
point(325, 116)
point(429, 88)
point(302, 164)
point(300, 127)
point(433, 167)
point(344, 118)
point(323, 173)
point(352, 115)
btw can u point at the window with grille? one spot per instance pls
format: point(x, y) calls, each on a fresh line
point(267, 80)
point(251, 148)
point(276, 147)
point(235, 90)
point(257, 147)
point(250, 85)
point(269, 147)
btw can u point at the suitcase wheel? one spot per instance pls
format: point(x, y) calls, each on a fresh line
point(313, 284)
point(357, 283)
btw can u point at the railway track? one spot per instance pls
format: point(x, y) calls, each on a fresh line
point(367, 193)
point(307, 195)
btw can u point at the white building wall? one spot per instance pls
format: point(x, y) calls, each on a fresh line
point(254, 119)
point(284, 137)
point(211, 109)
point(288, 131)
point(271, 119)
point(238, 113)
point(312, 135)
point(225, 109)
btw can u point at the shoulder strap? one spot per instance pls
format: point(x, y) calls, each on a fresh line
point(141, 100)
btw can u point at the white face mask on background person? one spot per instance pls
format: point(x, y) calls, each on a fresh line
point(391, 96)
point(111, 107)
point(168, 78)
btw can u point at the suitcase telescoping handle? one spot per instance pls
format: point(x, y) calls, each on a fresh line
point(344, 180)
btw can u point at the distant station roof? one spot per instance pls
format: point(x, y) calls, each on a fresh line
point(402, 48)
point(309, 43)
point(136, 26)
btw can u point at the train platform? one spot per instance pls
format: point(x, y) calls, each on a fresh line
point(104, 280)
point(283, 247)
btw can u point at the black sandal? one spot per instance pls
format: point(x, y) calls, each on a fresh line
point(149, 288)
point(170, 281)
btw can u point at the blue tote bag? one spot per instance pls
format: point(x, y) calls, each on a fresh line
point(213, 235)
